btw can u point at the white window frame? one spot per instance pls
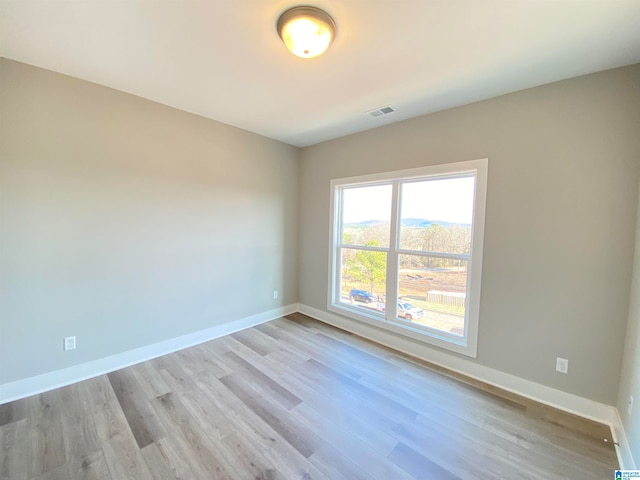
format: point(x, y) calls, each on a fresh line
point(468, 343)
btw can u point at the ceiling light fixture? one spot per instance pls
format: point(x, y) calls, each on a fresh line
point(306, 31)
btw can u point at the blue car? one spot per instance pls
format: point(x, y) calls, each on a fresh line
point(362, 296)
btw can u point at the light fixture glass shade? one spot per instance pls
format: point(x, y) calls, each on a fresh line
point(306, 31)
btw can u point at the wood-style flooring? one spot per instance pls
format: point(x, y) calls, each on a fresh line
point(293, 399)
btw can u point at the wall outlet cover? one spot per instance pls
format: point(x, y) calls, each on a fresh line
point(562, 365)
point(69, 343)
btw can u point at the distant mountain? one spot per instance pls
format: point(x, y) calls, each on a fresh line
point(408, 222)
point(367, 223)
point(424, 223)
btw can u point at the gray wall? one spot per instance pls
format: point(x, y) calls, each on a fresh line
point(630, 376)
point(125, 222)
point(564, 161)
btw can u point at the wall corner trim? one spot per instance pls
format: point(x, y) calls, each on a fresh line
point(623, 449)
point(568, 402)
point(66, 376)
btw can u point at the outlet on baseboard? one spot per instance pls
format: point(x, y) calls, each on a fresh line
point(562, 365)
point(275, 294)
point(69, 343)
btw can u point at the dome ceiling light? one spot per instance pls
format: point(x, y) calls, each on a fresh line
point(306, 31)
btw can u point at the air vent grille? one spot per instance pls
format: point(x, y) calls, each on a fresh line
point(381, 111)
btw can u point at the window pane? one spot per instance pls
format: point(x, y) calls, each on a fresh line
point(363, 278)
point(436, 215)
point(432, 292)
point(366, 214)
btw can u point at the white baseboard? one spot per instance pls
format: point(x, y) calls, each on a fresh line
point(60, 378)
point(568, 402)
point(625, 457)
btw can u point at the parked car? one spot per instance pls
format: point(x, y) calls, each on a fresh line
point(408, 311)
point(362, 296)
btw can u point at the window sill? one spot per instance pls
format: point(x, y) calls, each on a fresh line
point(427, 337)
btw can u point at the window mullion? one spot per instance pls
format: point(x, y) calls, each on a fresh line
point(392, 257)
point(363, 247)
point(335, 294)
point(340, 217)
point(427, 253)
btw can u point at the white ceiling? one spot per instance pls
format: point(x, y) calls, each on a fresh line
point(223, 59)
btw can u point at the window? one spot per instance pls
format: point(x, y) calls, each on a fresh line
point(406, 251)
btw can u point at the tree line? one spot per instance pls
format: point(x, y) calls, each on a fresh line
point(369, 267)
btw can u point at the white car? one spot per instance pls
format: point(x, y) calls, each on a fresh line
point(408, 311)
point(405, 310)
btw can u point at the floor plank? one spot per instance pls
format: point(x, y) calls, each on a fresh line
point(13, 412)
point(419, 465)
point(46, 437)
point(140, 416)
point(14, 450)
point(302, 439)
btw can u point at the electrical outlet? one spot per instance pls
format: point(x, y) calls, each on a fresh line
point(630, 405)
point(69, 343)
point(562, 365)
point(275, 294)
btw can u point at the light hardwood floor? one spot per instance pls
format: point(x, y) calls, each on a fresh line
point(293, 399)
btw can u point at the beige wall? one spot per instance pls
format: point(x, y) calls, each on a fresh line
point(564, 161)
point(125, 222)
point(630, 376)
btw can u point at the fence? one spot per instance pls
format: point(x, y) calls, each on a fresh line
point(447, 298)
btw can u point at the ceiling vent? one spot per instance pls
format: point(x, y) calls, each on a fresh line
point(381, 111)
